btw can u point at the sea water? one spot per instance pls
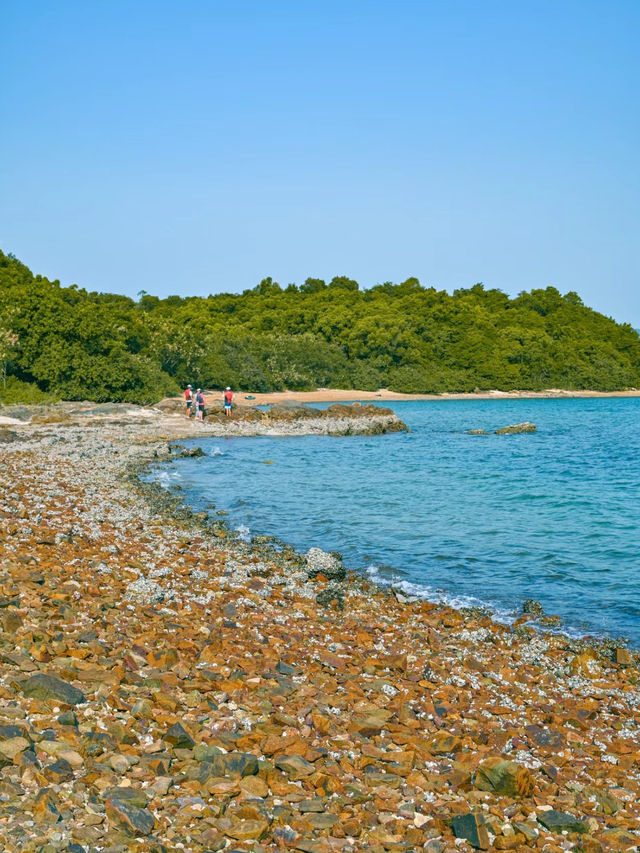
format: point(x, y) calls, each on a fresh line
point(471, 520)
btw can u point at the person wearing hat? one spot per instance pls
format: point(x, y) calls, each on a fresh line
point(228, 400)
point(188, 398)
point(200, 403)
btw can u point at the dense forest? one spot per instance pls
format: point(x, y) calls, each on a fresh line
point(65, 342)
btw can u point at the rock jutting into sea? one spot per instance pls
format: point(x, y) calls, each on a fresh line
point(291, 419)
point(165, 685)
point(514, 429)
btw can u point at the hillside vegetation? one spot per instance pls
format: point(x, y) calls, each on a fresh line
point(69, 343)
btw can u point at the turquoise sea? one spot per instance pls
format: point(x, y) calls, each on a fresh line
point(482, 520)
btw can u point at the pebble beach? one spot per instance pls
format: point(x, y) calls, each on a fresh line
point(166, 686)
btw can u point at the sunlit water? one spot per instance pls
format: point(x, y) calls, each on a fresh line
point(487, 520)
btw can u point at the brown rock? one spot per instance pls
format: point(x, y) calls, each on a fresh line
point(248, 830)
point(131, 819)
point(294, 766)
point(504, 777)
point(254, 786)
point(444, 743)
point(623, 658)
point(45, 808)
point(510, 842)
point(12, 747)
point(588, 845)
point(619, 839)
point(179, 737)
point(371, 723)
point(586, 664)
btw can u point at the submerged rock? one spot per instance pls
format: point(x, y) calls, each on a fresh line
point(516, 428)
point(532, 607)
point(190, 453)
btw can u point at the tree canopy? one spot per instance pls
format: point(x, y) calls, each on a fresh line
point(74, 344)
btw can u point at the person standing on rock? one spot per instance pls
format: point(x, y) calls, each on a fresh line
point(228, 401)
point(200, 405)
point(188, 399)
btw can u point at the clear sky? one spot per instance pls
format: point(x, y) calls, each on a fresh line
point(194, 147)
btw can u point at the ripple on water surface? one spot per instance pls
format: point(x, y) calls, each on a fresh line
point(469, 519)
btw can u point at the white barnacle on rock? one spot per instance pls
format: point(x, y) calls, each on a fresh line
point(159, 572)
point(528, 760)
point(144, 590)
point(199, 575)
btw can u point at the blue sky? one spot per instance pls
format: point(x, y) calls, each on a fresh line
point(197, 147)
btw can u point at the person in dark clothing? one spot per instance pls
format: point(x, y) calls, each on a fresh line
point(200, 405)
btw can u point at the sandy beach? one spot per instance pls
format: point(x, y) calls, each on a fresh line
point(337, 395)
point(166, 686)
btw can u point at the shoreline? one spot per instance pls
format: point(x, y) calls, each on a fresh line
point(236, 709)
point(544, 624)
point(338, 395)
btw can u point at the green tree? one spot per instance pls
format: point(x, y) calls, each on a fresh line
point(67, 342)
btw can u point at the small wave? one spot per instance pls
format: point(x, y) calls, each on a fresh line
point(383, 574)
point(244, 533)
point(216, 452)
point(386, 576)
point(457, 602)
point(167, 478)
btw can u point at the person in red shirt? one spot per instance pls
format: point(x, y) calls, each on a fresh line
point(188, 398)
point(228, 400)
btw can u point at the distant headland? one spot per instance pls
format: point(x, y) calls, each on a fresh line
point(65, 343)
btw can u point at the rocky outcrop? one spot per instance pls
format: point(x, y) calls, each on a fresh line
point(285, 419)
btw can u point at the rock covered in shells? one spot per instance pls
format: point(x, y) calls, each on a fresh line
point(328, 564)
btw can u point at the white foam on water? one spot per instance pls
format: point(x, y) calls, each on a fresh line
point(437, 596)
point(166, 479)
point(460, 602)
point(244, 533)
point(216, 452)
point(382, 575)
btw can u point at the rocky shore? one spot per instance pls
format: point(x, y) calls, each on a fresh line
point(167, 418)
point(165, 686)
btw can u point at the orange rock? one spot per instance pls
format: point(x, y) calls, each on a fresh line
point(444, 743)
